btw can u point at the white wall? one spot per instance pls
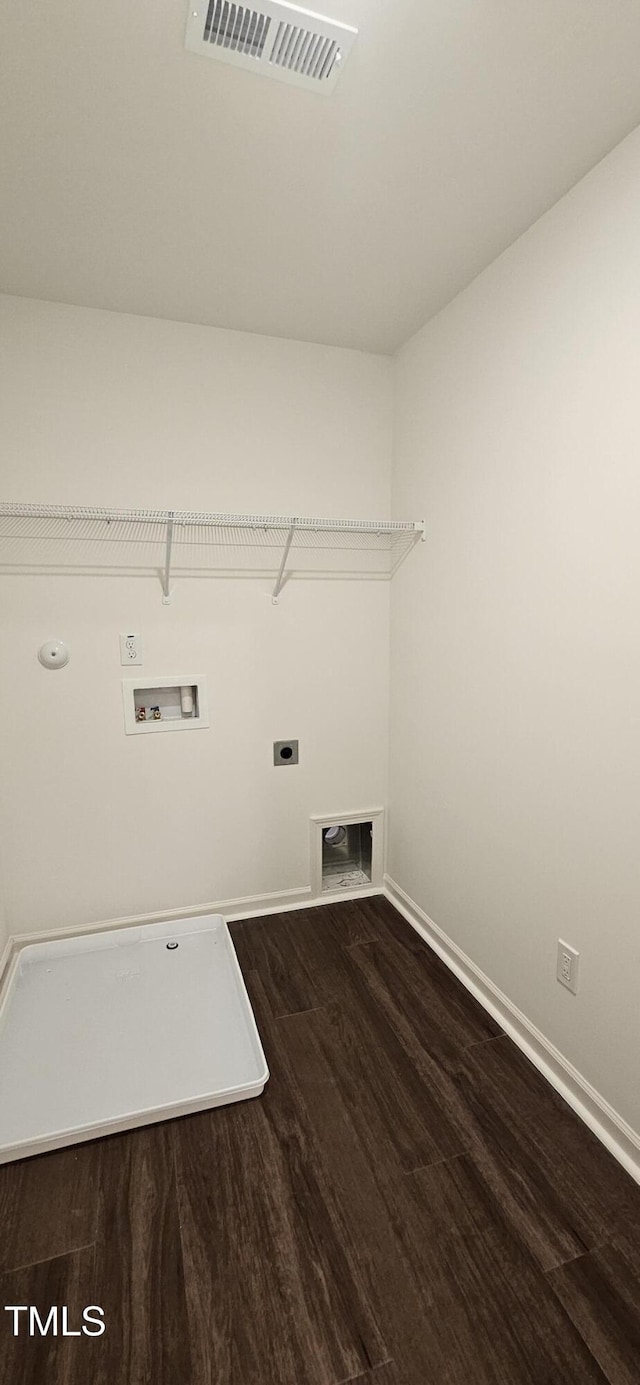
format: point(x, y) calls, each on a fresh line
point(4, 929)
point(515, 708)
point(101, 408)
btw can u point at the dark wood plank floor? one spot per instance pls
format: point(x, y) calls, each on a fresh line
point(408, 1204)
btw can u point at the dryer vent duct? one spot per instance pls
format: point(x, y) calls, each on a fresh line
point(279, 40)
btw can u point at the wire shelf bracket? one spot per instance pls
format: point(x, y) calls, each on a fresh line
point(167, 594)
point(281, 579)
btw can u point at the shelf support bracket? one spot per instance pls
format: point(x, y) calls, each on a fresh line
point(166, 576)
point(280, 578)
point(418, 537)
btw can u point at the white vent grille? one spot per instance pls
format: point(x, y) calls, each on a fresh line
point(236, 28)
point(280, 40)
point(300, 50)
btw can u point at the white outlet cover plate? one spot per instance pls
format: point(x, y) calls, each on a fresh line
point(130, 649)
point(570, 981)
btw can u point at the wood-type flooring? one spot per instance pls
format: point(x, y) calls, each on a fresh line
point(409, 1203)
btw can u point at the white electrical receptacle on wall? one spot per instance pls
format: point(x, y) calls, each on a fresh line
point(354, 860)
point(130, 649)
point(567, 966)
point(164, 704)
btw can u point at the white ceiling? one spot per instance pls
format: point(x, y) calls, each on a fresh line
point(139, 177)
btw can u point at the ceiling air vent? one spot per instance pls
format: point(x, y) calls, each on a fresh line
point(280, 40)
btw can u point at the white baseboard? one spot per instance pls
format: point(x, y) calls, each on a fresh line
point(606, 1124)
point(244, 907)
point(5, 958)
point(335, 896)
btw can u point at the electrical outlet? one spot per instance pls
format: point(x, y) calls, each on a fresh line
point(285, 752)
point(567, 966)
point(130, 649)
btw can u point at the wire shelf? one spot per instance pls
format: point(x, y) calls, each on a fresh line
point(44, 537)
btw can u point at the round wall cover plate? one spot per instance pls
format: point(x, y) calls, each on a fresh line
point(54, 654)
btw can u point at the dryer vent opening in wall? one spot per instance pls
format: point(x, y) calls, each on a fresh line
point(346, 856)
point(347, 853)
point(279, 40)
